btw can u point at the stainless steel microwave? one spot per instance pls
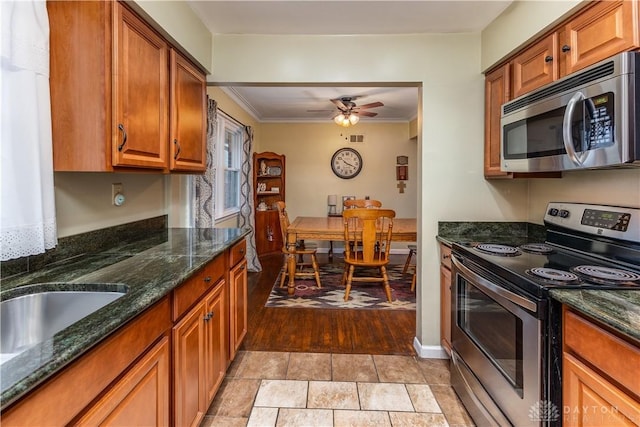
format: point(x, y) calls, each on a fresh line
point(589, 119)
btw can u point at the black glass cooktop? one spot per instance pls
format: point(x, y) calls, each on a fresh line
point(539, 266)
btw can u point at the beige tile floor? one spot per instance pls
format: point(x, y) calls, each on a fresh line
point(322, 389)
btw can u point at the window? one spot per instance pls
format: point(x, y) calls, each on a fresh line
point(228, 166)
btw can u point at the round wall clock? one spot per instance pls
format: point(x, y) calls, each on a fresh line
point(346, 163)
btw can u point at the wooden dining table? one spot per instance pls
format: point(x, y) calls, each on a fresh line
point(332, 228)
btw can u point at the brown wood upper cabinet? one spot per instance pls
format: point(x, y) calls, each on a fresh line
point(120, 95)
point(595, 33)
point(188, 116)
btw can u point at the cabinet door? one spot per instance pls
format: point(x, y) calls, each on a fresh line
point(496, 93)
point(188, 116)
point(216, 349)
point(188, 365)
point(607, 28)
point(268, 234)
point(591, 400)
point(141, 68)
point(445, 308)
point(140, 398)
point(536, 66)
point(238, 306)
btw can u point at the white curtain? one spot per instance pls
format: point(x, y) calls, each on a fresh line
point(27, 220)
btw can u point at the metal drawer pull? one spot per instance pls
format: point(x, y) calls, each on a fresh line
point(207, 279)
point(566, 48)
point(208, 316)
point(124, 137)
point(548, 58)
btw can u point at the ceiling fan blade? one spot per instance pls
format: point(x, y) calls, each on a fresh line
point(340, 104)
point(366, 113)
point(320, 111)
point(371, 105)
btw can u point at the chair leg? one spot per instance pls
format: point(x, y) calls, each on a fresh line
point(283, 272)
point(413, 282)
point(349, 278)
point(345, 273)
point(316, 270)
point(407, 262)
point(385, 278)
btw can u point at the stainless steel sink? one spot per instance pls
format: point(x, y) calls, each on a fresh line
point(30, 319)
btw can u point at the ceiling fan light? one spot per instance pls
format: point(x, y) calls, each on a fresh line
point(354, 119)
point(339, 119)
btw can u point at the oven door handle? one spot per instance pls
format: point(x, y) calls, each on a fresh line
point(494, 289)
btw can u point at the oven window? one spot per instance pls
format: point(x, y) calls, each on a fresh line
point(494, 329)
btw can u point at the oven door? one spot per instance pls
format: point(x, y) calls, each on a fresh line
point(496, 340)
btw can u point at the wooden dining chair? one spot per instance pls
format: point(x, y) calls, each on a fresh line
point(301, 249)
point(370, 232)
point(413, 249)
point(362, 203)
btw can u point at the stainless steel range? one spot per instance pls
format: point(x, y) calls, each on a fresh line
point(505, 338)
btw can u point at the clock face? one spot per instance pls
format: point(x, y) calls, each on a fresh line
point(346, 163)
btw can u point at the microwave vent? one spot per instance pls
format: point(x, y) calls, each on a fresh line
point(577, 80)
point(356, 138)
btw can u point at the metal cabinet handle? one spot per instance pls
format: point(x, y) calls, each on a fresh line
point(548, 58)
point(207, 279)
point(566, 48)
point(242, 251)
point(177, 144)
point(208, 316)
point(124, 137)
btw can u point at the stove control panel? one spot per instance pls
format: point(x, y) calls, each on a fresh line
point(602, 220)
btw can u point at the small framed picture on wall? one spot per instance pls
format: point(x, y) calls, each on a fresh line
point(402, 172)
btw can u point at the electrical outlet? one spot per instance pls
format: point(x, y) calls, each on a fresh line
point(116, 188)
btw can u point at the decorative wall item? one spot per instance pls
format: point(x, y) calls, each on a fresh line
point(402, 160)
point(345, 198)
point(402, 173)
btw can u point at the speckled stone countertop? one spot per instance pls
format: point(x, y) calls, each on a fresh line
point(618, 309)
point(149, 269)
point(489, 232)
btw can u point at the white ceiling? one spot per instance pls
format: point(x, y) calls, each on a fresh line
point(281, 103)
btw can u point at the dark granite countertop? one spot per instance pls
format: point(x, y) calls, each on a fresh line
point(149, 268)
point(618, 309)
point(450, 232)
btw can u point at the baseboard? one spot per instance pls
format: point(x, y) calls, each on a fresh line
point(429, 351)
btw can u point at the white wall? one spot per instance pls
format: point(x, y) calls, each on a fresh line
point(450, 141)
point(83, 200)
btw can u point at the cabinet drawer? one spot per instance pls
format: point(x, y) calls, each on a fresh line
point(445, 256)
point(238, 252)
point(613, 356)
point(193, 289)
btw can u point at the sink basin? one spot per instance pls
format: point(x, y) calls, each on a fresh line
point(27, 320)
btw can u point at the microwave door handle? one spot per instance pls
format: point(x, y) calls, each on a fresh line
point(567, 138)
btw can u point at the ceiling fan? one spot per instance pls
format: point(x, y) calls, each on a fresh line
point(350, 112)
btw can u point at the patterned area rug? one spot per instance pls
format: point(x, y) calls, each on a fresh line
point(362, 296)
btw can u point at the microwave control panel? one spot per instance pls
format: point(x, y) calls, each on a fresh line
point(598, 112)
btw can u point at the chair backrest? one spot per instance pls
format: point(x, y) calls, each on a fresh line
point(284, 220)
point(362, 203)
point(367, 234)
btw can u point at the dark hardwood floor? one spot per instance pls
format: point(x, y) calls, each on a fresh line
point(319, 330)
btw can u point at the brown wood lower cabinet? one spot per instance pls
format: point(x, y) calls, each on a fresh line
point(199, 357)
point(601, 375)
point(445, 297)
point(141, 397)
point(239, 314)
